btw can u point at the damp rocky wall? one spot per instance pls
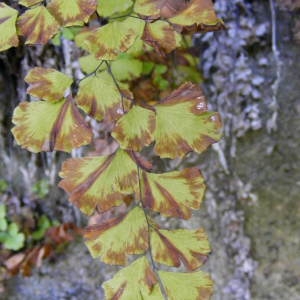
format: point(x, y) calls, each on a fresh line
point(252, 79)
point(251, 211)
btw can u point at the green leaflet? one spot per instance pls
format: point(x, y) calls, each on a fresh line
point(174, 193)
point(130, 48)
point(162, 36)
point(135, 129)
point(47, 84)
point(118, 237)
point(185, 286)
point(54, 124)
point(3, 221)
point(99, 97)
point(89, 64)
point(193, 15)
point(133, 282)
point(112, 39)
point(138, 281)
point(197, 12)
point(8, 17)
point(37, 25)
point(43, 225)
point(47, 126)
point(126, 68)
point(182, 124)
point(12, 239)
point(99, 181)
point(71, 13)
point(108, 8)
point(154, 8)
point(173, 247)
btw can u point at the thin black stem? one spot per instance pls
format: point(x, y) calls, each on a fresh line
point(131, 16)
point(154, 267)
point(119, 17)
point(93, 73)
point(149, 225)
point(116, 83)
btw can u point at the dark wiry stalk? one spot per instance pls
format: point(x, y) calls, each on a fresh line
point(116, 83)
point(154, 267)
point(149, 225)
point(131, 16)
point(93, 73)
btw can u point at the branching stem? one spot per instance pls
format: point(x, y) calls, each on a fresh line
point(149, 225)
point(92, 73)
point(131, 16)
point(154, 267)
point(116, 83)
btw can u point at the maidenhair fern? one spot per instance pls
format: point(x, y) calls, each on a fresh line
point(140, 79)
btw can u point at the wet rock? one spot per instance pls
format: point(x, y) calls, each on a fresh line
point(72, 275)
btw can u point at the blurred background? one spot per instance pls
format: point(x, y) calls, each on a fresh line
point(251, 75)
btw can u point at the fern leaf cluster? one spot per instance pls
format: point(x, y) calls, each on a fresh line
point(141, 79)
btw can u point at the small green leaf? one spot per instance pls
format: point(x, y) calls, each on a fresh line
point(148, 66)
point(89, 64)
point(159, 8)
point(173, 247)
point(68, 33)
point(41, 188)
point(99, 181)
point(160, 69)
point(14, 240)
point(3, 236)
point(185, 286)
point(161, 83)
point(43, 225)
point(112, 39)
point(72, 13)
point(3, 224)
point(99, 97)
point(184, 124)
point(127, 68)
point(2, 211)
point(119, 237)
point(37, 25)
point(47, 84)
point(174, 193)
point(135, 129)
point(8, 36)
point(47, 126)
point(108, 8)
point(138, 47)
point(134, 282)
point(199, 14)
point(3, 221)
point(161, 36)
point(188, 73)
point(56, 40)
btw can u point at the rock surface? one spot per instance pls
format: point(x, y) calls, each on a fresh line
point(253, 79)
